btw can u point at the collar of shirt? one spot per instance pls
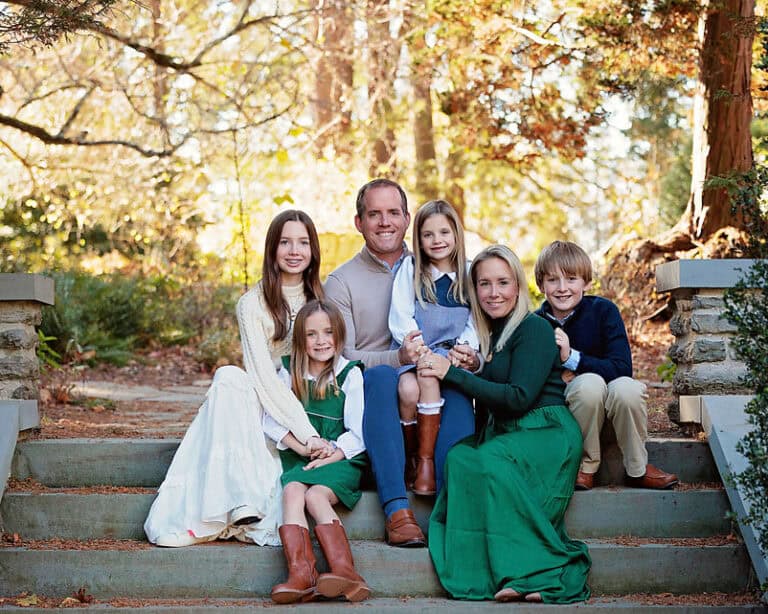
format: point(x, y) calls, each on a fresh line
point(562, 322)
point(340, 364)
point(437, 273)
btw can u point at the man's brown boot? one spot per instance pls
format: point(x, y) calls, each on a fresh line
point(411, 443)
point(429, 426)
point(342, 579)
point(302, 575)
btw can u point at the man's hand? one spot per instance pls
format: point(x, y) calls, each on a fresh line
point(562, 341)
point(413, 347)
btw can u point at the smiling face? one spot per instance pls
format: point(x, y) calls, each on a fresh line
point(293, 253)
point(563, 291)
point(438, 241)
point(383, 223)
point(496, 288)
point(320, 342)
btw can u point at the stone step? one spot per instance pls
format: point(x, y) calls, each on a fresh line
point(602, 512)
point(144, 462)
point(232, 570)
point(383, 605)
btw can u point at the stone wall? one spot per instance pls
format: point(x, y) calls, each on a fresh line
point(19, 372)
point(704, 353)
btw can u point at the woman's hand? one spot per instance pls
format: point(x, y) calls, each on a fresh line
point(463, 356)
point(433, 365)
point(336, 455)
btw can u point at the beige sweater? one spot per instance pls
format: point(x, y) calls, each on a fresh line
point(362, 289)
point(261, 357)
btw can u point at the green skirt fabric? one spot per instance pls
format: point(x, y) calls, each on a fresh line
point(342, 477)
point(499, 520)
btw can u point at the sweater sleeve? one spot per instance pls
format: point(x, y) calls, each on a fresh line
point(616, 358)
point(530, 354)
point(276, 398)
point(338, 292)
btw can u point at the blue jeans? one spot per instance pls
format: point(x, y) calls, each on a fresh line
point(383, 434)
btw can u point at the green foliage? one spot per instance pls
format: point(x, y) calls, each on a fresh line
point(666, 370)
point(46, 355)
point(107, 318)
point(676, 185)
point(747, 307)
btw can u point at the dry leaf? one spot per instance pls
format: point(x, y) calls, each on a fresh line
point(82, 596)
point(70, 602)
point(28, 601)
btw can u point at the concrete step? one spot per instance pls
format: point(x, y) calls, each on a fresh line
point(144, 462)
point(232, 570)
point(383, 605)
point(602, 512)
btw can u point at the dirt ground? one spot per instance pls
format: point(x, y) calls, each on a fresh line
point(64, 414)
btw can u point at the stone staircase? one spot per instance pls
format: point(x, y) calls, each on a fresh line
point(80, 514)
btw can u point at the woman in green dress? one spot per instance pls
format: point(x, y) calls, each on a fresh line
point(497, 530)
point(331, 390)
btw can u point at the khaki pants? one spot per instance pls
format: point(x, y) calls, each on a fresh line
point(623, 401)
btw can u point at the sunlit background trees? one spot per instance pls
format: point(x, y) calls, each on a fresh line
point(158, 139)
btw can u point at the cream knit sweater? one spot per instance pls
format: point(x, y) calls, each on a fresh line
point(261, 357)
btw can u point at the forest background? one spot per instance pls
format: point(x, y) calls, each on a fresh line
point(145, 145)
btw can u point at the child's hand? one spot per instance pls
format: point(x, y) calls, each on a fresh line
point(336, 455)
point(317, 447)
point(562, 341)
point(567, 376)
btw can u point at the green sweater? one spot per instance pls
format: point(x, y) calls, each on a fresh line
point(523, 375)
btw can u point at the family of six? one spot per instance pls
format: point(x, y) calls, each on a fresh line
point(464, 393)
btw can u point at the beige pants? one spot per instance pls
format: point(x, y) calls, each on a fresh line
point(623, 401)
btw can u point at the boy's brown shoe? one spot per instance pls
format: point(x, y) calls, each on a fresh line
point(402, 530)
point(584, 481)
point(653, 478)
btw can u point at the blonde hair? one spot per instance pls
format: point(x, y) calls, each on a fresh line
point(423, 284)
point(565, 256)
point(521, 309)
point(299, 365)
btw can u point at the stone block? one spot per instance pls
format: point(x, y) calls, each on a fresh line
point(710, 323)
point(732, 349)
point(21, 312)
point(19, 389)
point(708, 302)
point(19, 368)
point(710, 378)
point(18, 338)
point(707, 350)
point(680, 324)
point(683, 305)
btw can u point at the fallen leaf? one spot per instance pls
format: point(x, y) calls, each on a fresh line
point(82, 596)
point(69, 602)
point(26, 602)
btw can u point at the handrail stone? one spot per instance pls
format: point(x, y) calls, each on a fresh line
point(22, 297)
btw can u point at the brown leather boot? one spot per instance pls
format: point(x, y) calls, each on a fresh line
point(342, 579)
point(411, 442)
point(302, 575)
point(429, 426)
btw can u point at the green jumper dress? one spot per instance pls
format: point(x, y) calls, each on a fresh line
point(327, 416)
point(499, 520)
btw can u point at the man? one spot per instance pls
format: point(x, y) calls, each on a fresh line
point(362, 289)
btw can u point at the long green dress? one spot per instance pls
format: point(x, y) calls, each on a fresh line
point(327, 416)
point(499, 520)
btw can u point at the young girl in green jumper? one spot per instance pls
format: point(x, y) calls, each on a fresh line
point(331, 390)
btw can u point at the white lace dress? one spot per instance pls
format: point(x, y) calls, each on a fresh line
point(224, 461)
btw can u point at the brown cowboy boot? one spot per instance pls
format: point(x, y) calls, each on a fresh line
point(411, 442)
point(302, 575)
point(342, 579)
point(429, 426)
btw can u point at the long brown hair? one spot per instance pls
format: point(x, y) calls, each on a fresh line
point(423, 284)
point(326, 380)
point(270, 276)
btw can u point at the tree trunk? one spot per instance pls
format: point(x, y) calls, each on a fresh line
point(384, 50)
point(333, 75)
point(427, 179)
point(455, 170)
point(722, 113)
